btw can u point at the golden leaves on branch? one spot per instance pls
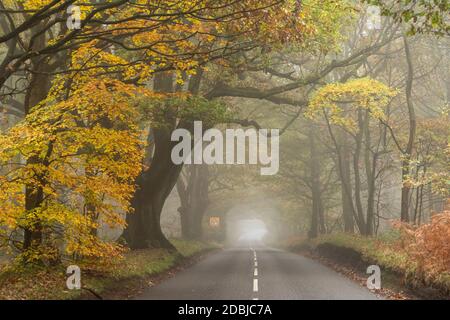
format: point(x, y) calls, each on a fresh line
point(339, 101)
point(83, 154)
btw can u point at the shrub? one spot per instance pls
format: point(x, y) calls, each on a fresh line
point(429, 246)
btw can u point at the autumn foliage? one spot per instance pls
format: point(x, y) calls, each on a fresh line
point(70, 165)
point(428, 246)
point(75, 148)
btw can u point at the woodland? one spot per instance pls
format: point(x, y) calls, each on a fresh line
point(91, 91)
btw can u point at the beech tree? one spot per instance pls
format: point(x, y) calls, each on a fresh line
point(96, 104)
point(132, 43)
point(369, 98)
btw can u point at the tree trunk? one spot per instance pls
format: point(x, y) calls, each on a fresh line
point(406, 188)
point(153, 187)
point(155, 184)
point(370, 166)
point(343, 156)
point(32, 234)
point(194, 200)
point(317, 215)
point(37, 91)
point(357, 177)
point(347, 207)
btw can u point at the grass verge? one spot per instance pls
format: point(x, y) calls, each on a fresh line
point(119, 279)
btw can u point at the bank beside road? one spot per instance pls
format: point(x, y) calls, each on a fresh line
point(401, 277)
point(121, 279)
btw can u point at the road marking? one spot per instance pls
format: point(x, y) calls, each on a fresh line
point(255, 285)
point(255, 274)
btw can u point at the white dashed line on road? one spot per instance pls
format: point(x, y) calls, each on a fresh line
point(255, 274)
point(255, 285)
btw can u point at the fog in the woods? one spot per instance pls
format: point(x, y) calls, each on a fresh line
point(317, 132)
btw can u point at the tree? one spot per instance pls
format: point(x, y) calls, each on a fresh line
point(259, 39)
point(130, 42)
point(350, 106)
point(421, 16)
point(286, 80)
point(78, 146)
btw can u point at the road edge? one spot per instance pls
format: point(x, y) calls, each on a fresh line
point(131, 288)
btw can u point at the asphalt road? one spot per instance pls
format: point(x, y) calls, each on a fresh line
point(261, 273)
